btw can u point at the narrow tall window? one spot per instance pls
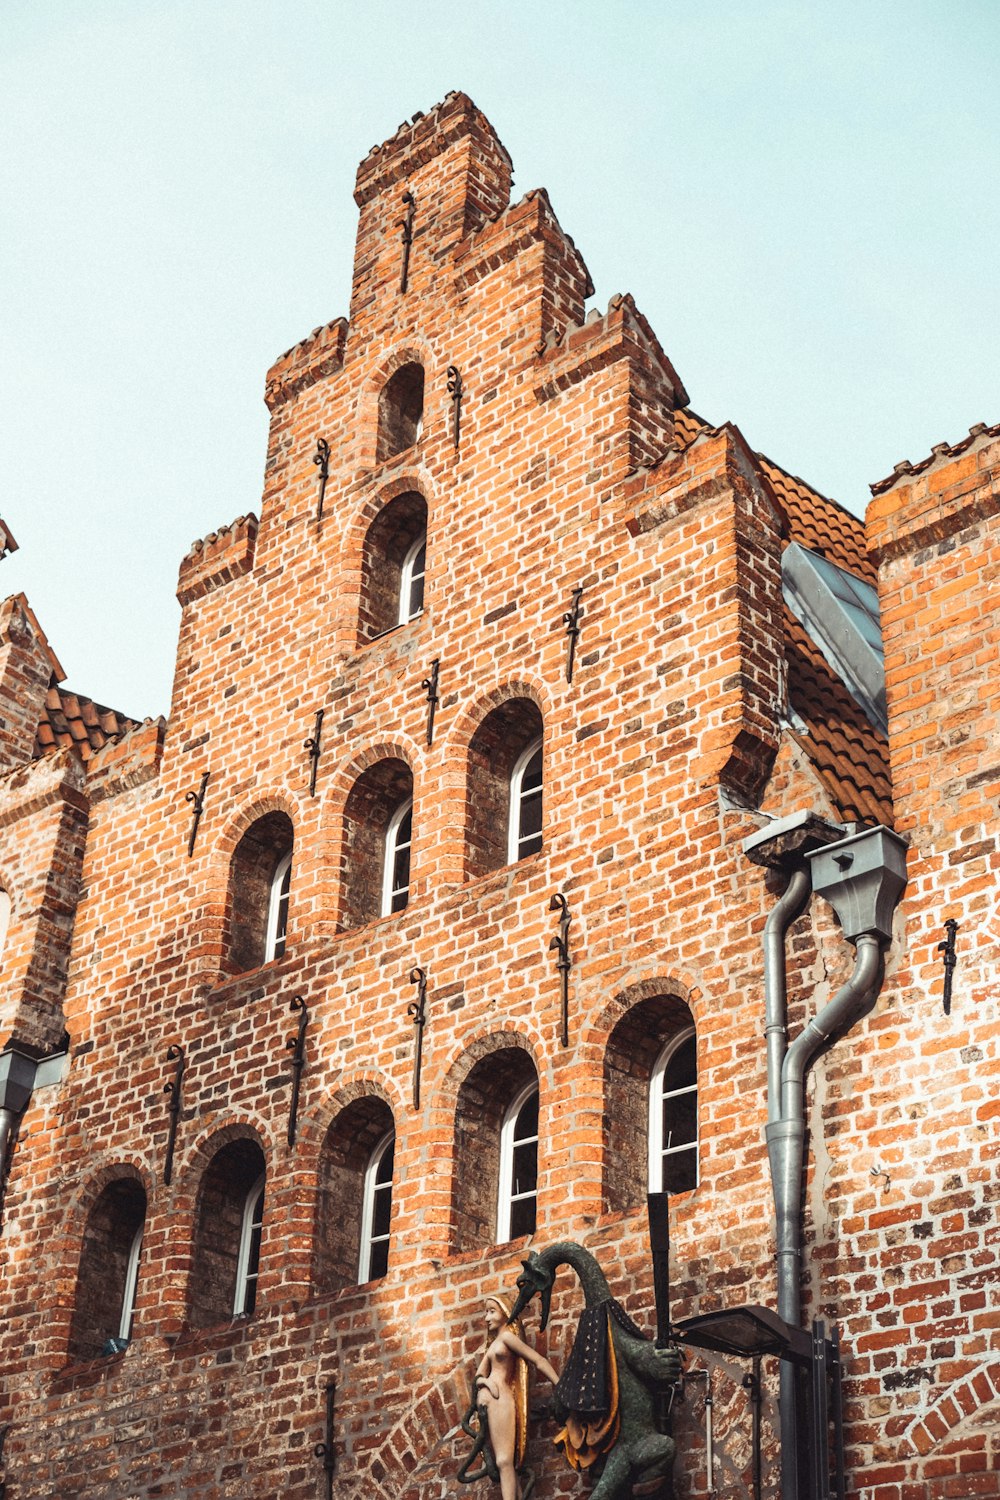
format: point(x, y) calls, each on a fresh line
point(248, 1260)
point(377, 1211)
point(524, 828)
point(518, 1167)
point(131, 1286)
point(673, 1117)
point(396, 869)
point(400, 411)
point(411, 581)
point(277, 909)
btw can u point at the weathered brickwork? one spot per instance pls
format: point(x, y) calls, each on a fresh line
point(696, 711)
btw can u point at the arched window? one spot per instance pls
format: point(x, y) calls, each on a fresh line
point(650, 1103)
point(411, 580)
point(109, 1271)
point(518, 1193)
point(227, 1241)
point(377, 1211)
point(378, 820)
point(524, 822)
point(354, 1202)
point(394, 562)
point(673, 1117)
point(504, 793)
point(248, 1259)
point(259, 884)
point(277, 910)
point(400, 411)
point(396, 867)
point(496, 1127)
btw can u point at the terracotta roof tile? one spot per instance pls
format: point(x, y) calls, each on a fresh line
point(940, 450)
point(68, 719)
point(849, 754)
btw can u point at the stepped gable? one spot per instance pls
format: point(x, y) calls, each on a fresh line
point(70, 720)
point(938, 452)
point(418, 140)
point(848, 753)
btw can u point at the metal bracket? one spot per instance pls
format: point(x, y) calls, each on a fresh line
point(571, 619)
point(430, 687)
point(296, 1045)
point(455, 392)
point(175, 1054)
point(406, 225)
point(326, 1450)
point(321, 458)
point(315, 749)
point(417, 1011)
point(197, 799)
point(947, 948)
point(563, 961)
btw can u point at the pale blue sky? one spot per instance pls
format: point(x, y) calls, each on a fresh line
point(801, 197)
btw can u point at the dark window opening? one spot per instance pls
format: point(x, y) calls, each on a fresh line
point(108, 1275)
point(354, 1204)
point(259, 889)
point(504, 792)
point(378, 822)
point(400, 411)
point(228, 1233)
point(496, 1129)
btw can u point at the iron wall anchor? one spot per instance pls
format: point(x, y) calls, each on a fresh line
point(296, 1045)
point(406, 225)
point(947, 948)
point(455, 392)
point(321, 458)
point(326, 1450)
point(197, 799)
point(417, 1011)
point(430, 687)
point(314, 748)
point(175, 1054)
point(571, 620)
point(560, 943)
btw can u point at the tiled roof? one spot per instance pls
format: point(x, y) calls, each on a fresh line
point(940, 450)
point(70, 719)
point(849, 754)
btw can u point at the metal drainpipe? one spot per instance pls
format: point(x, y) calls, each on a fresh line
point(790, 907)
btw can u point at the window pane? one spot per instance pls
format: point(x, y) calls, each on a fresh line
point(680, 1172)
point(525, 1170)
point(680, 1071)
point(522, 1217)
point(381, 1210)
point(253, 1267)
point(526, 1123)
point(378, 1263)
point(384, 1173)
point(680, 1120)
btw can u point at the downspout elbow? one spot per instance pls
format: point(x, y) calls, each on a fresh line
point(846, 1007)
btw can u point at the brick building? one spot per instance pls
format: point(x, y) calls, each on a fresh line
point(467, 479)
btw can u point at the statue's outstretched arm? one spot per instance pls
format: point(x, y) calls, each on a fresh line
point(659, 1367)
point(518, 1346)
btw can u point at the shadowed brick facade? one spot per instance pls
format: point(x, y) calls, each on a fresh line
point(698, 708)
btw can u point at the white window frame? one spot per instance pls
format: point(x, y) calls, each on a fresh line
point(657, 1151)
point(276, 900)
point(368, 1205)
point(252, 1224)
point(506, 1197)
point(392, 848)
point(514, 839)
point(408, 576)
point(131, 1285)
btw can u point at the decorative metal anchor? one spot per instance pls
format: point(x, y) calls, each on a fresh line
point(430, 687)
point(198, 800)
point(571, 619)
point(455, 392)
point(312, 744)
point(417, 1011)
point(563, 963)
point(175, 1054)
point(950, 960)
point(326, 1450)
point(296, 1045)
point(321, 458)
point(406, 225)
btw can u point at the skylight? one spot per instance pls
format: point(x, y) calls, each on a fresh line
point(839, 612)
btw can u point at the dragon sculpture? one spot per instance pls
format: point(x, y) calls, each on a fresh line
point(607, 1395)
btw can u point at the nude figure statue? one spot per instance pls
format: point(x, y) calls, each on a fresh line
point(499, 1407)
